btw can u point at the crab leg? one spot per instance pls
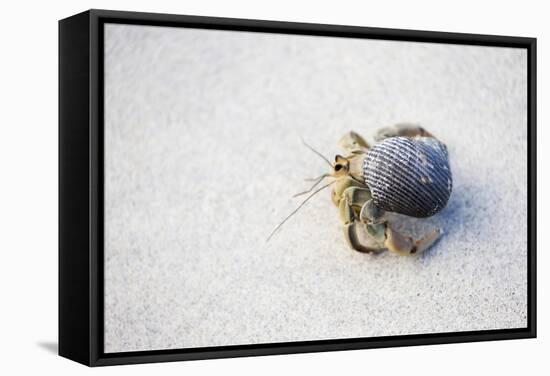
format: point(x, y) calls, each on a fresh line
point(354, 196)
point(403, 129)
point(353, 143)
point(405, 245)
point(350, 233)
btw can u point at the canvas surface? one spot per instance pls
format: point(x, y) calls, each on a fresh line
point(203, 153)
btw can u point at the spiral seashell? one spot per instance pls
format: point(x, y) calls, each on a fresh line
point(410, 176)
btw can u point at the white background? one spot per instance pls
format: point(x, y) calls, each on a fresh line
point(28, 162)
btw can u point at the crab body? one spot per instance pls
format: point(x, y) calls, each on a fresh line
point(407, 172)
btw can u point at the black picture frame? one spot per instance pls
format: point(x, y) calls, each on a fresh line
point(81, 182)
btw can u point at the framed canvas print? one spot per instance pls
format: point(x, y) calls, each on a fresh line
point(235, 187)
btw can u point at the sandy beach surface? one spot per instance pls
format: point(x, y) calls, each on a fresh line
point(203, 153)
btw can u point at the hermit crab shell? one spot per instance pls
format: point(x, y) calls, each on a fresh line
point(409, 176)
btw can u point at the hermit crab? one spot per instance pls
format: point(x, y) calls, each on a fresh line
point(406, 171)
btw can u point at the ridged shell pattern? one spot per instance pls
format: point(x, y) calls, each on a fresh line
point(410, 176)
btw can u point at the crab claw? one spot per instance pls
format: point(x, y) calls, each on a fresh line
point(405, 245)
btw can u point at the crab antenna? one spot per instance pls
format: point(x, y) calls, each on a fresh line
point(296, 210)
point(316, 152)
point(316, 178)
point(317, 181)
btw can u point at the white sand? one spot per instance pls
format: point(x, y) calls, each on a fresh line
point(203, 154)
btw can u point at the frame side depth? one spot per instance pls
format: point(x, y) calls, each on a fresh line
point(74, 188)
